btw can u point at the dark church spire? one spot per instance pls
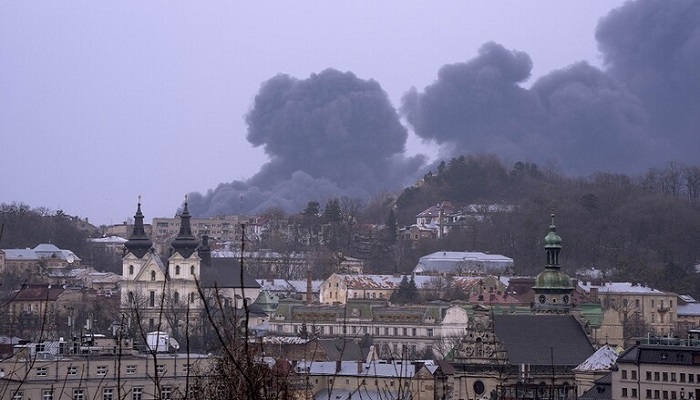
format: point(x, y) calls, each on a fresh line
point(185, 243)
point(139, 243)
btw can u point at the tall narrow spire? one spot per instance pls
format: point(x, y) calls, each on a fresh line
point(139, 243)
point(185, 243)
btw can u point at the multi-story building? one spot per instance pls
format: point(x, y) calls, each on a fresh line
point(101, 376)
point(45, 255)
point(658, 369)
point(397, 331)
point(637, 305)
point(221, 229)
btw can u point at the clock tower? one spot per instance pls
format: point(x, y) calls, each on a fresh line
point(553, 288)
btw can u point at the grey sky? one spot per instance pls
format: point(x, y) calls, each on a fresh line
point(103, 101)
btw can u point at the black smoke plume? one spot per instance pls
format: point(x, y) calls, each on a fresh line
point(329, 135)
point(642, 109)
point(334, 134)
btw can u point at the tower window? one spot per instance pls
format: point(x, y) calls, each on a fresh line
point(192, 270)
point(177, 270)
point(153, 276)
point(152, 298)
point(131, 269)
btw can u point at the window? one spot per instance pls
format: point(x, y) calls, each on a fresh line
point(657, 376)
point(656, 394)
point(165, 392)
point(396, 331)
point(673, 394)
point(624, 374)
point(413, 332)
point(664, 394)
point(130, 369)
point(673, 376)
point(624, 392)
point(652, 302)
point(634, 392)
point(690, 378)
point(18, 395)
point(78, 394)
point(153, 276)
point(192, 298)
point(664, 376)
point(131, 297)
point(41, 371)
point(137, 393)
point(430, 332)
point(648, 375)
point(634, 374)
point(176, 297)
point(186, 368)
point(72, 370)
point(636, 303)
point(681, 377)
point(160, 368)
point(47, 394)
point(405, 331)
point(108, 394)
point(101, 370)
point(151, 298)
point(177, 270)
point(131, 269)
point(648, 393)
point(192, 270)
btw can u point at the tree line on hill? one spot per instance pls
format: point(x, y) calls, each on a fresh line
point(642, 228)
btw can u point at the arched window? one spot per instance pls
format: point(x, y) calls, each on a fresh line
point(192, 270)
point(131, 297)
point(192, 297)
point(176, 297)
point(131, 269)
point(153, 275)
point(177, 270)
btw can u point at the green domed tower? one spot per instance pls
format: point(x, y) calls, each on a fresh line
point(553, 287)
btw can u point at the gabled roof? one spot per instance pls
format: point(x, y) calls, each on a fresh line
point(604, 358)
point(39, 292)
point(543, 339)
point(226, 273)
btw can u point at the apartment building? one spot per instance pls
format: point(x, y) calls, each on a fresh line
point(658, 369)
point(137, 376)
point(636, 302)
point(397, 331)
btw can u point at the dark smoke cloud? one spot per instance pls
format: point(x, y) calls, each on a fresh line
point(478, 106)
point(578, 116)
point(654, 48)
point(334, 134)
point(330, 135)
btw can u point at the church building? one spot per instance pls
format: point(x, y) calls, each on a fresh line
point(174, 294)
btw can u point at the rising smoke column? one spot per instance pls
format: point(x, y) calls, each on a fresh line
point(654, 48)
point(329, 135)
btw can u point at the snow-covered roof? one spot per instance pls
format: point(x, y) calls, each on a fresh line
point(619, 287)
point(604, 358)
point(109, 240)
point(354, 281)
point(44, 250)
point(374, 369)
point(452, 261)
point(690, 309)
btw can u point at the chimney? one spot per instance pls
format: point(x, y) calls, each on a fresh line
point(309, 291)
